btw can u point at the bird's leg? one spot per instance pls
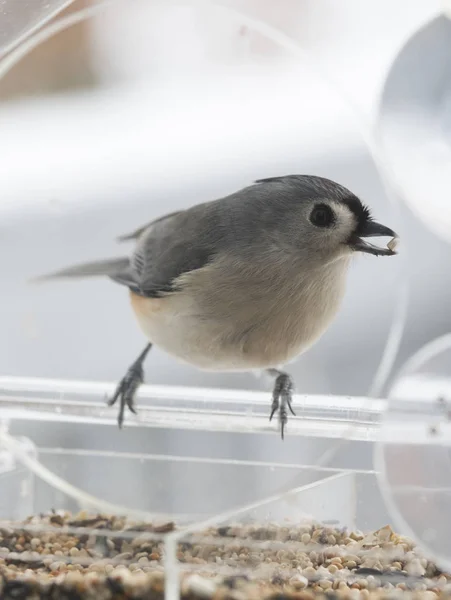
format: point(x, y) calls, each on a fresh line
point(281, 397)
point(128, 386)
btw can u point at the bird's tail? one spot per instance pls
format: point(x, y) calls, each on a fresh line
point(115, 268)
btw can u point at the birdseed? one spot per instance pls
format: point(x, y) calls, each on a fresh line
point(393, 244)
point(58, 556)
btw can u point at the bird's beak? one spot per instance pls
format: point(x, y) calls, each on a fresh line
point(373, 229)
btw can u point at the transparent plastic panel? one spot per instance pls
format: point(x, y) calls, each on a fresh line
point(414, 123)
point(17, 491)
point(266, 541)
point(20, 18)
point(176, 521)
point(77, 438)
point(414, 451)
point(331, 534)
point(188, 408)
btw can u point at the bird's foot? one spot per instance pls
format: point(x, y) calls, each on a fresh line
point(128, 386)
point(281, 399)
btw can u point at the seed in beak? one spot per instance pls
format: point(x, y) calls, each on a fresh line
point(392, 244)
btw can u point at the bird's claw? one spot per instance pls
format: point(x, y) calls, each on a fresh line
point(281, 399)
point(126, 391)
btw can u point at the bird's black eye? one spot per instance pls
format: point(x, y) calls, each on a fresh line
point(322, 216)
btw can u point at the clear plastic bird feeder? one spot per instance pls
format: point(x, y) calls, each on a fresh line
point(413, 453)
point(157, 121)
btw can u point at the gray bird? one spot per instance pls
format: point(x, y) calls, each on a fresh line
point(245, 282)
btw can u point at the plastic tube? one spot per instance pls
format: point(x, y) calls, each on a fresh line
point(27, 18)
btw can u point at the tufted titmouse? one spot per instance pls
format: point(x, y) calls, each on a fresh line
point(245, 282)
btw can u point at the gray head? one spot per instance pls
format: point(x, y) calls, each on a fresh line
point(320, 217)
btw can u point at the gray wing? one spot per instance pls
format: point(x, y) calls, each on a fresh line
point(166, 248)
point(138, 232)
point(175, 244)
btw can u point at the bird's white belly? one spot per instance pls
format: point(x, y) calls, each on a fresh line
point(214, 345)
point(189, 338)
point(184, 339)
